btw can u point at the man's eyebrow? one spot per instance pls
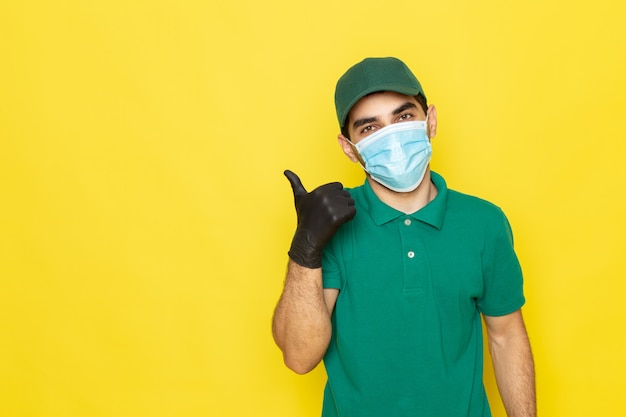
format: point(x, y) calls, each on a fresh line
point(406, 106)
point(363, 121)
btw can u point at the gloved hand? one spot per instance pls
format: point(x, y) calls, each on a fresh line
point(320, 213)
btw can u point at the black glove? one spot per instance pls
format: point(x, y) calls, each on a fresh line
point(320, 213)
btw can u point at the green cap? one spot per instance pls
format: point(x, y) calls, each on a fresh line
point(372, 75)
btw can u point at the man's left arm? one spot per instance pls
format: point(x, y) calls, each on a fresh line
point(513, 363)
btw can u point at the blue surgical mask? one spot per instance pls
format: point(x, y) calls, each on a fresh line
point(397, 155)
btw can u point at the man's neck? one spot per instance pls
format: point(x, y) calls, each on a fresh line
point(410, 202)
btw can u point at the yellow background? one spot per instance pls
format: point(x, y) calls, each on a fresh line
point(144, 217)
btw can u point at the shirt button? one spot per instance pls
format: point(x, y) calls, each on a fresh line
point(407, 222)
point(411, 254)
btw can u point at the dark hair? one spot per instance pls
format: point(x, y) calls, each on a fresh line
point(419, 98)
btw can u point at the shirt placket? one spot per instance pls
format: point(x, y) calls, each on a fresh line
point(414, 256)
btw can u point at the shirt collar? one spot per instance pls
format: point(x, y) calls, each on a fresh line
point(433, 213)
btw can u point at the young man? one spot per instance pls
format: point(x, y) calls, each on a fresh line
point(387, 282)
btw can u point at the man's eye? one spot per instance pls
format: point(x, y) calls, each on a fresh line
point(406, 116)
point(367, 129)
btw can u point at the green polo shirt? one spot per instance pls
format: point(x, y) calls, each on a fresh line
point(407, 335)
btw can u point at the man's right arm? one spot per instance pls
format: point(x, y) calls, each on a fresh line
point(301, 324)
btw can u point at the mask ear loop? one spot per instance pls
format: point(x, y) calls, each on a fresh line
point(357, 154)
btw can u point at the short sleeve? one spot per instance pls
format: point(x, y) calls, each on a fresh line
point(502, 275)
point(331, 273)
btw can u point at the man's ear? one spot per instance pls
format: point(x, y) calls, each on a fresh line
point(431, 128)
point(347, 148)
